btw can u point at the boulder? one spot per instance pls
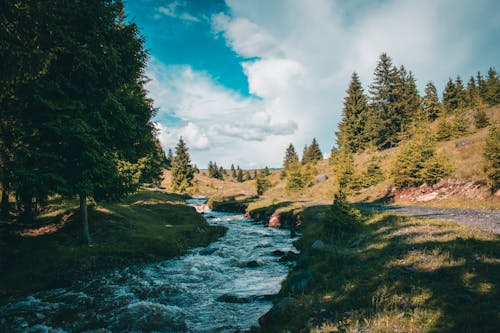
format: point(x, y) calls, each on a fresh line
point(320, 178)
point(290, 256)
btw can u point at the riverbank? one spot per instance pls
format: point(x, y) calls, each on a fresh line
point(384, 273)
point(145, 227)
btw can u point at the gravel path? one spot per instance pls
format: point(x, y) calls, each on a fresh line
point(486, 219)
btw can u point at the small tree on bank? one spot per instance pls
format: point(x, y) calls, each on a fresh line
point(182, 171)
point(492, 158)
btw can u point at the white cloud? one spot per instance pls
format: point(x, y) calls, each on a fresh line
point(175, 10)
point(300, 56)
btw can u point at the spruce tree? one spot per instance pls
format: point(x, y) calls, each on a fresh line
point(182, 171)
point(481, 119)
point(492, 158)
point(304, 155)
point(492, 93)
point(261, 183)
point(450, 97)
point(170, 158)
point(239, 174)
point(313, 153)
point(460, 93)
point(431, 103)
point(481, 86)
point(294, 179)
point(290, 156)
point(472, 93)
point(233, 171)
point(266, 171)
point(351, 134)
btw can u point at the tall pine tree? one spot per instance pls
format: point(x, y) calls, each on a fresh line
point(290, 156)
point(431, 103)
point(182, 171)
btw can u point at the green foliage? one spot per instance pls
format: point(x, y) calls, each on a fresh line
point(345, 172)
point(152, 165)
point(352, 133)
point(373, 173)
point(182, 171)
point(262, 183)
point(481, 119)
point(472, 93)
point(266, 171)
point(450, 97)
point(492, 87)
point(417, 163)
point(294, 180)
point(214, 171)
point(431, 103)
point(312, 153)
point(460, 124)
point(492, 158)
point(239, 174)
point(290, 156)
point(444, 130)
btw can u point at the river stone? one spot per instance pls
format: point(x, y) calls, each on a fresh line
point(318, 245)
point(290, 256)
point(252, 264)
point(299, 282)
point(278, 253)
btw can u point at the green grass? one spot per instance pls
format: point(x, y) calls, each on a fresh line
point(144, 227)
point(393, 273)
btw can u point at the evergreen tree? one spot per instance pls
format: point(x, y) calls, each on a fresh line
point(152, 165)
point(472, 93)
point(373, 174)
point(266, 171)
point(481, 85)
point(294, 181)
point(239, 174)
point(233, 171)
point(290, 156)
point(170, 158)
point(481, 119)
point(345, 171)
point(460, 93)
point(351, 134)
point(492, 91)
point(460, 124)
point(444, 130)
point(262, 183)
point(196, 169)
point(450, 97)
point(304, 155)
point(221, 172)
point(182, 171)
point(248, 176)
point(313, 153)
point(492, 158)
point(431, 103)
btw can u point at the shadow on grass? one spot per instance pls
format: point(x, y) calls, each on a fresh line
point(397, 273)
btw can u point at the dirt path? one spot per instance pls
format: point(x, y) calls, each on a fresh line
point(486, 219)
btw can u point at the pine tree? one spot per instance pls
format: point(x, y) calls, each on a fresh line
point(481, 119)
point(170, 158)
point(248, 176)
point(444, 130)
point(492, 158)
point(431, 103)
point(196, 169)
point(460, 93)
point(481, 85)
point(294, 180)
point(290, 156)
point(492, 93)
point(373, 174)
point(304, 155)
point(233, 171)
point(182, 171)
point(262, 183)
point(450, 97)
point(472, 93)
point(460, 124)
point(266, 171)
point(239, 174)
point(351, 134)
point(313, 153)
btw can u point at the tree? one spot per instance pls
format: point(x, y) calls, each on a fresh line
point(450, 96)
point(460, 93)
point(294, 180)
point(351, 134)
point(492, 89)
point(304, 155)
point(290, 156)
point(417, 162)
point(233, 171)
point(182, 171)
point(170, 158)
point(431, 103)
point(262, 183)
point(373, 174)
point(481, 119)
point(472, 92)
point(266, 171)
point(492, 158)
point(481, 85)
point(313, 153)
point(239, 174)
point(248, 176)
point(152, 165)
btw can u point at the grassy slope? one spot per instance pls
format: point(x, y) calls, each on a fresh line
point(145, 227)
point(393, 273)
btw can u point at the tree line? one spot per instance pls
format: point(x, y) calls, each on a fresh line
point(75, 118)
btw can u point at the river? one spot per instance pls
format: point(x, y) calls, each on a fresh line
point(223, 287)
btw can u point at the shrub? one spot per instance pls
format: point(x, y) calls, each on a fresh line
point(492, 158)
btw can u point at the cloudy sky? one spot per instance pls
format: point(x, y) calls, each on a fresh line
point(241, 79)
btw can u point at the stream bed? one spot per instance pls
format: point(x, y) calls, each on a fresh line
point(223, 287)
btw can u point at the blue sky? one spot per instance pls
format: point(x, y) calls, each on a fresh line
point(241, 79)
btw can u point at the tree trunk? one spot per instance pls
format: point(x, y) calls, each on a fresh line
point(5, 203)
point(85, 220)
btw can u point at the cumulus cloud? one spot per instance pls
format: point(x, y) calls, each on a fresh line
point(298, 57)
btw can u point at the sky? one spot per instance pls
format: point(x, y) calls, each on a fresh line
point(240, 80)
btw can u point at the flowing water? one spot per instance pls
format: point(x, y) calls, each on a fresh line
point(219, 288)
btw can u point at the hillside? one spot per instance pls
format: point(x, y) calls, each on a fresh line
point(465, 187)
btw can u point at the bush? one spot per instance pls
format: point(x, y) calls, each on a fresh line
point(481, 119)
point(373, 174)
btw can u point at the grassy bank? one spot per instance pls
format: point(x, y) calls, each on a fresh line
point(144, 227)
point(389, 273)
